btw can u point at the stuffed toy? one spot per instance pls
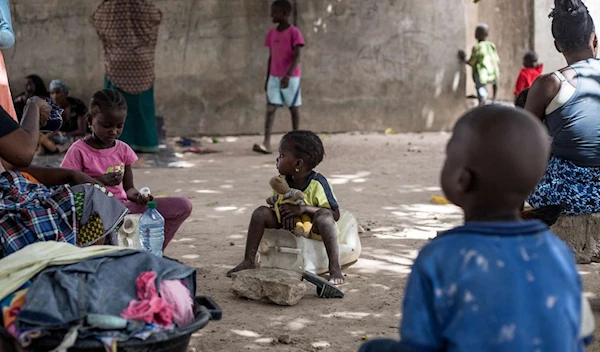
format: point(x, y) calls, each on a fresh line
point(286, 195)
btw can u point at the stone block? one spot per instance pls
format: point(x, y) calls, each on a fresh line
point(582, 234)
point(281, 287)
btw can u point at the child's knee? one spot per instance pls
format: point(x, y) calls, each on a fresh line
point(262, 214)
point(186, 207)
point(323, 217)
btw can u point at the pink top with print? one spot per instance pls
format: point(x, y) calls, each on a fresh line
point(97, 162)
point(282, 46)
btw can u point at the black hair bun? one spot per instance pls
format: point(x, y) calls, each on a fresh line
point(572, 9)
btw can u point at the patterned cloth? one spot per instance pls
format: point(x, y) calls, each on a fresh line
point(91, 231)
point(128, 30)
point(55, 120)
point(98, 213)
point(11, 306)
point(31, 212)
point(576, 189)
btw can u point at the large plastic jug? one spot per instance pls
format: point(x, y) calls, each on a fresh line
point(281, 249)
point(129, 235)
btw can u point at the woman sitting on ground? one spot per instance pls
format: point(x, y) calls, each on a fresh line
point(39, 204)
point(34, 86)
point(74, 110)
point(568, 102)
point(74, 125)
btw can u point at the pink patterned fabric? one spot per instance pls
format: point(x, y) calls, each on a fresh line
point(128, 30)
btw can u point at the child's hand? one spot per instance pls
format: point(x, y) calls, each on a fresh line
point(462, 56)
point(111, 179)
point(143, 200)
point(285, 82)
point(290, 211)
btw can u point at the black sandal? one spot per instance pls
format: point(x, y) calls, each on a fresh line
point(325, 289)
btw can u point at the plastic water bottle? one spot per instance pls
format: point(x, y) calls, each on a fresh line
point(152, 230)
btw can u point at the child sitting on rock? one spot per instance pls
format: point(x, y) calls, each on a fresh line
point(496, 283)
point(299, 153)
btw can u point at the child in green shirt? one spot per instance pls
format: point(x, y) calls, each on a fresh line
point(485, 63)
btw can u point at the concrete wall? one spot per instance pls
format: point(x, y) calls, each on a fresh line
point(368, 64)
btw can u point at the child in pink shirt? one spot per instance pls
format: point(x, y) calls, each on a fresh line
point(109, 160)
point(283, 71)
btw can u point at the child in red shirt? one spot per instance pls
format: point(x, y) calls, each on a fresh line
point(529, 73)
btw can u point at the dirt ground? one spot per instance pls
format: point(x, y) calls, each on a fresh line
point(386, 181)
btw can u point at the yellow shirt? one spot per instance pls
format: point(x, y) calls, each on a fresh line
point(318, 192)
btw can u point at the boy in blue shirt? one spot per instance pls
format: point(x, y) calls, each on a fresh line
point(495, 283)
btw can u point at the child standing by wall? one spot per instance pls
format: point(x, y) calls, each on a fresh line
point(283, 71)
point(299, 153)
point(485, 63)
point(496, 283)
point(529, 73)
point(109, 160)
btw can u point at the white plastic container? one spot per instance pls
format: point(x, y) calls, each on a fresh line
point(283, 250)
point(129, 235)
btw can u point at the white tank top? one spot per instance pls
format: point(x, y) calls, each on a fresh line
point(565, 92)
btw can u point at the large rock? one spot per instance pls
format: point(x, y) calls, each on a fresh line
point(281, 287)
point(582, 234)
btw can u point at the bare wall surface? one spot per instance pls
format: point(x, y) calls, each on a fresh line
point(368, 64)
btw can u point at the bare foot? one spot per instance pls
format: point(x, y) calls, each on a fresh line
point(245, 265)
point(336, 277)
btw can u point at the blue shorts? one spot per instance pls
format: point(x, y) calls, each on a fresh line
point(482, 92)
point(289, 96)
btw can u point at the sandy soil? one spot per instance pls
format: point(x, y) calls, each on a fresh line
point(385, 181)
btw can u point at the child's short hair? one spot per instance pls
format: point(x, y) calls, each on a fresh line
point(483, 27)
point(285, 5)
point(521, 98)
point(107, 99)
point(307, 145)
point(530, 59)
point(482, 31)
